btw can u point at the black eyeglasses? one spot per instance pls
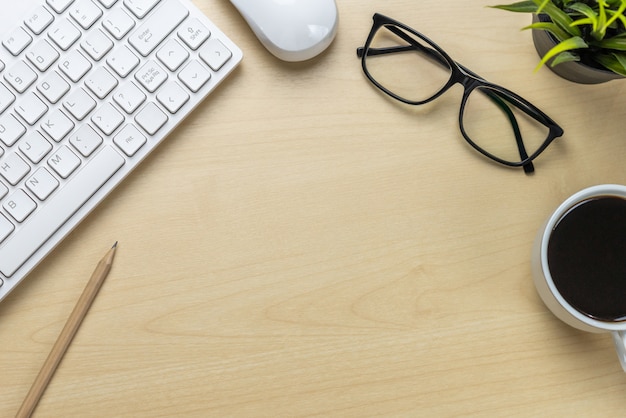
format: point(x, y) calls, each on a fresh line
point(413, 69)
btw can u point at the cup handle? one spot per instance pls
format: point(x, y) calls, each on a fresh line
point(619, 338)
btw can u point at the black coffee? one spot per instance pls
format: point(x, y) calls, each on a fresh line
point(587, 257)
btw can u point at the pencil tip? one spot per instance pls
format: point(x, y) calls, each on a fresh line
point(114, 245)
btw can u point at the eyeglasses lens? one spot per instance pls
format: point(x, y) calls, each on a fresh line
point(406, 65)
point(496, 123)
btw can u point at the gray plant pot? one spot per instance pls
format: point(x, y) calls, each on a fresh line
point(572, 71)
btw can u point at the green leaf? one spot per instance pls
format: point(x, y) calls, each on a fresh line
point(599, 31)
point(595, 20)
point(519, 7)
point(570, 44)
point(541, 4)
point(585, 10)
point(585, 21)
point(621, 57)
point(558, 16)
point(612, 62)
point(619, 14)
point(564, 57)
point(554, 29)
point(617, 42)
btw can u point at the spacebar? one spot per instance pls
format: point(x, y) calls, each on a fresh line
point(58, 210)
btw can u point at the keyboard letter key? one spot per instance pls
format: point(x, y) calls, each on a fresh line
point(42, 183)
point(64, 162)
point(31, 108)
point(19, 205)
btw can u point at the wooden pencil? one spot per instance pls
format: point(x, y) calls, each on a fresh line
point(67, 334)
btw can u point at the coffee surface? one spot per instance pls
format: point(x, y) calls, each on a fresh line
point(587, 258)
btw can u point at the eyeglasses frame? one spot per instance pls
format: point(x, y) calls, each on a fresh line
point(470, 81)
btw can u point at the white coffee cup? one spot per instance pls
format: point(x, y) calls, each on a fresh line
point(545, 283)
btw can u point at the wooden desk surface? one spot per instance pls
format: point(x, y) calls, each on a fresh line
point(303, 246)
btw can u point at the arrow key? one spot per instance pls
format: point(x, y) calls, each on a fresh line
point(172, 55)
point(215, 54)
point(194, 75)
point(172, 96)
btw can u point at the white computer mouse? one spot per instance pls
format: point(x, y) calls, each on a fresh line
point(292, 30)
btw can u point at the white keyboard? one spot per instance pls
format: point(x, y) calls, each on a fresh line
point(87, 89)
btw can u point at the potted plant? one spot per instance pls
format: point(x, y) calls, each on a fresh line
point(580, 40)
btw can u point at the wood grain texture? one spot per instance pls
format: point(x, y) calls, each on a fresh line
point(303, 246)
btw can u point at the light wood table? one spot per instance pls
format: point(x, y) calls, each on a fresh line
point(304, 246)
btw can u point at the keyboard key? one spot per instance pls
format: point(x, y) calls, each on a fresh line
point(85, 13)
point(31, 108)
point(20, 76)
point(193, 33)
point(64, 34)
point(215, 54)
point(129, 139)
point(19, 205)
point(85, 140)
point(118, 23)
point(17, 40)
point(13, 168)
point(172, 97)
point(10, 129)
point(151, 118)
point(79, 104)
point(59, 5)
point(107, 118)
point(129, 97)
point(100, 82)
point(39, 20)
point(172, 55)
point(42, 183)
point(64, 162)
point(97, 45)
point(42, 55)
point(57, 125)
point(74, 65)
point(140, 8)
point(18, 248)
point(151, 76)
point(53, 87)
point(194, 75)
point(35, 147)
point(122, 61)
point(4, 190)
point(160, 24)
